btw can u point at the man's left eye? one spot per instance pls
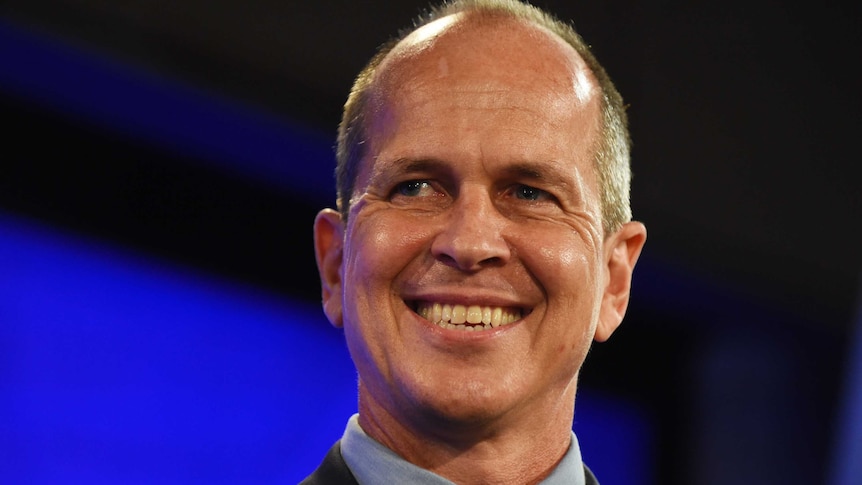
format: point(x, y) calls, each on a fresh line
point(413, 188)
point(526, 192)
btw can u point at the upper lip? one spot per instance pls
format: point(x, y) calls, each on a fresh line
point(467, 297)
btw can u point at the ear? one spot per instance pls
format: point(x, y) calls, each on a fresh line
point(621, 252)
point(328, 246)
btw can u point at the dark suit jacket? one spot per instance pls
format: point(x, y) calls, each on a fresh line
point(333, 471)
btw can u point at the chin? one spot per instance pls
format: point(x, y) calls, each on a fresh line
point(467, 405)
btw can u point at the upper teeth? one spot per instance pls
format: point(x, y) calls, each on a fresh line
point(476, 317)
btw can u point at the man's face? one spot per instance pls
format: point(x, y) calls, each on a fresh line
point(474, 267)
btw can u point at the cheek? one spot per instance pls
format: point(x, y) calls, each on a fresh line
point(569, 257)
point(382, 245)
point(368, 247)
point(568, 270)
point(565, 264)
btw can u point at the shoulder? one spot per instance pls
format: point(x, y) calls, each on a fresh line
point(590, 478)
point(332, 470)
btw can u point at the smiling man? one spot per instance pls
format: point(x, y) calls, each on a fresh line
point(483, 241)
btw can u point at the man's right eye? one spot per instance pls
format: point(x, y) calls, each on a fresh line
point(413, 188)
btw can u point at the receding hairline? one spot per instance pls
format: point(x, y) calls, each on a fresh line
point(408, 51)
point(612, 152)
point(407, 47)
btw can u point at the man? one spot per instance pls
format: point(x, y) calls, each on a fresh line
point(483, 241)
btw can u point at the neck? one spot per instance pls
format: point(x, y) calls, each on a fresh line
point(517, 448)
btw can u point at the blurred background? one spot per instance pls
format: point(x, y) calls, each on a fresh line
point(162, 163)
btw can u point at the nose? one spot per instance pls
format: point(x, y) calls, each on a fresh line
point(472, 235)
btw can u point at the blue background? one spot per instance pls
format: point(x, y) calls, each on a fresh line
point(129, 363)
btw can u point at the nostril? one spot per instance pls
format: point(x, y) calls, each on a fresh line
point(447, 260)
point(470, 257)
point(469, 264)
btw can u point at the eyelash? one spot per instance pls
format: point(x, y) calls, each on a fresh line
point(402, 187)
point(528, 193)
point(539, 194)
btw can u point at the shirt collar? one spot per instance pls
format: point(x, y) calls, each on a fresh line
point(372, 463)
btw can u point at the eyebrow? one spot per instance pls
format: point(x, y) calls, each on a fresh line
point(400, 167)
point(410, 165)
point(548, 173)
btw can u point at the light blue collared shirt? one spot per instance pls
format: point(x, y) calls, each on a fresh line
point(374, 464)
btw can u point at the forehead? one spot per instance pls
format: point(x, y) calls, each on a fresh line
point(485, 52)
point(494, 90)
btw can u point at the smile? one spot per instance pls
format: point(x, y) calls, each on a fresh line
point(467, 317)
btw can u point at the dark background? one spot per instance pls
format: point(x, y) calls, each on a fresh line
point(744, 116)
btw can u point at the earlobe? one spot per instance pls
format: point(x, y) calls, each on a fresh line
point(622, 250)
point(328, 247)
